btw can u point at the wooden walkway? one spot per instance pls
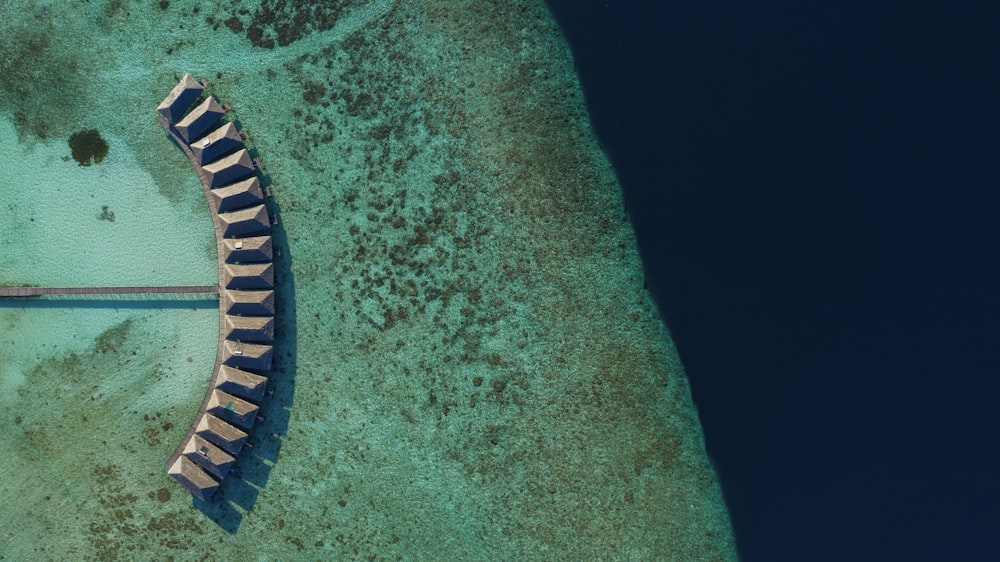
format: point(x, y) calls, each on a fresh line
point(41, 291)
point(213, 208)
point(224, 279)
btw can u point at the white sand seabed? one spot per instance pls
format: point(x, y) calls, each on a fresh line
point(51, 233)
point(173, 338)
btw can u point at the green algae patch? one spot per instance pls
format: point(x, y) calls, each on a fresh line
point(88, 147)
point(112, 339)
point(106, 214)
point(41, 81)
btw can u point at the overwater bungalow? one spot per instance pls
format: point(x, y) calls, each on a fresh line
point(216, 144)
point(232, 409)
point(250, 303)
point(247, 355)
point(196, 480)
point(249, 276)
point(258, 329)
point(180, 98)
point(238, 195)
point(202, 118)
point(251, 220)
point(227, 436)
point(229, 178)
point(241, 383)
point(208, 456)
point(256, 249)
point(228, 169)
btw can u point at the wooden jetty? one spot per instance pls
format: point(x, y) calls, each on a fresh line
point(44, 291)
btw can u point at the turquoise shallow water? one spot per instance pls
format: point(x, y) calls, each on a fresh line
point(84, 389)
point(63, 224)
point(89, 384)
point(467, 365)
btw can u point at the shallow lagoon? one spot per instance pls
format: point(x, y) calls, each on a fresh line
point(470, 367)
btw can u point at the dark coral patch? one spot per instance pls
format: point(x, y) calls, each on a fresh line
point(88, 146)
point(282, 22)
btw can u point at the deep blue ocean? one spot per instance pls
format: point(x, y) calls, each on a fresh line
point(816, 190)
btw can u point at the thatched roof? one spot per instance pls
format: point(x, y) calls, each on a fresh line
point(232, 409)
point(211, 458)
point(247, 355)
point(180, 98)
point(219, 142)
point(230, 168)
point(238, 195)
point(250, 303)
point(225, 435)
point(249, 276)
point(245, 221)
point(200, 120)
point(196, 480)
point(241, 383)
point(250, 328)
point(255, 249)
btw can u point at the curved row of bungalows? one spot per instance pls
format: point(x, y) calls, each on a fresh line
point(229, 177)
